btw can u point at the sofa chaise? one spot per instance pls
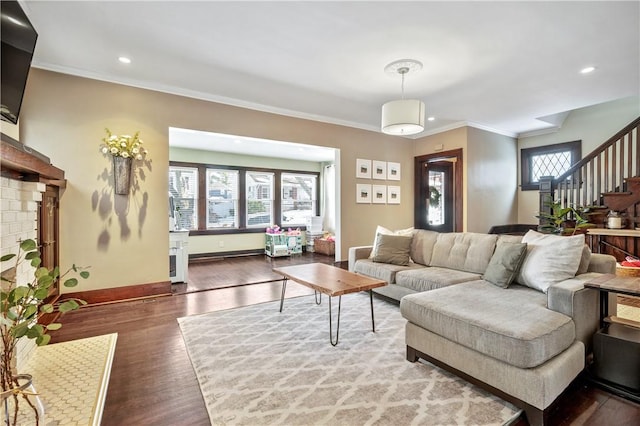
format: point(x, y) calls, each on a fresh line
point(508, 313)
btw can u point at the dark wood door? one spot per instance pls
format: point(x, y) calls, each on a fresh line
point(438, 198)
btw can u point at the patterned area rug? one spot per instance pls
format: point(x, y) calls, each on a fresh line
point(258, 366)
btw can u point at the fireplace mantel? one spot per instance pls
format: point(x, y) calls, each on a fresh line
point(17, 161)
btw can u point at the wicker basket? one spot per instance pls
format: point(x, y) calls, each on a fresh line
point(324, 246)
point(627, 271)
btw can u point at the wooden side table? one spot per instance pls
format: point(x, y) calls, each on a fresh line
point(616, 346)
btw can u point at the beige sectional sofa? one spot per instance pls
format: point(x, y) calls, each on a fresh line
point(525, 340)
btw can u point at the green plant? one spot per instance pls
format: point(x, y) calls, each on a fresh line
point(21, 305)
point(564, 220)
point(434, 197)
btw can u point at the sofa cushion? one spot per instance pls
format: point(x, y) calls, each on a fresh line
point(381, 271)
point(463, 251)
point(392, 249)
point(550, 259)
point(385, 231)
point(505, 263)
point(512, 325)
point(583, 268)
point(422, 246)
point(432, 277)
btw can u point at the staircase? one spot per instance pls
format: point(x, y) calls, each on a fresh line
point(606, 179)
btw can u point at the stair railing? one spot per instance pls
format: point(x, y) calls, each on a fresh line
point(603, 170)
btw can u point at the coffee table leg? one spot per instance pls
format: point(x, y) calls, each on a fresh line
point(338, 322)
point(318, 299)
point(373, 322)
point(284, 288)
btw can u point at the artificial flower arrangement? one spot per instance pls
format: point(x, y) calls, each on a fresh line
point(276, 230)
point(328, 236)
point(125, 146)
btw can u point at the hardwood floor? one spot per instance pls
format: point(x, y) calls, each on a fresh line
point(153, 383)
point(254, 269)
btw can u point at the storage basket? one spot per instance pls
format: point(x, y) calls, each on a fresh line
point(324, 246)
point(627, 271)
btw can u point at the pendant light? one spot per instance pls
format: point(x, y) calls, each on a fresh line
point(405, 116)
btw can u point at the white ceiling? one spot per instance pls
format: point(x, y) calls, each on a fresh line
point(496, 65)
point(195, 139)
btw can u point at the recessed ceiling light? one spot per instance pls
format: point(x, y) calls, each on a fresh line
point(587, 70)
point(124, 60)
point(431, 118)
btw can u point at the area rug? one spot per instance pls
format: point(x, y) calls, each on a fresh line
point(257, 366)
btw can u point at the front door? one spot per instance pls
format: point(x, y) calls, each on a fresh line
point(439, 192)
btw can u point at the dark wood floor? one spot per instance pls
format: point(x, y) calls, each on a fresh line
point(221, 273)
point(153, 383)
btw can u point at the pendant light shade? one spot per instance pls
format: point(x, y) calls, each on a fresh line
point(403, 117)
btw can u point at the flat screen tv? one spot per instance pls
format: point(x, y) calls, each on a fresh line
point(18, 41)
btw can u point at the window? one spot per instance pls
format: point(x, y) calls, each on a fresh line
point(299, 198)
point(548, 160)
point(259, 199)
point(222, 198)
point(183, 187)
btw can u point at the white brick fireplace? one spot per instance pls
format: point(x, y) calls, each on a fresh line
point(18, 220)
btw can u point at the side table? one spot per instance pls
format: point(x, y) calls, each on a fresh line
point(616, 346)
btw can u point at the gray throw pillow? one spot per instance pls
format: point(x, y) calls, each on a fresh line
point(392, 249)
point(505, 263)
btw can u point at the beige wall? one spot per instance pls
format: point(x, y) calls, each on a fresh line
point(125, 239)
point(490, 173)
point(593, 125)
point(491, 180)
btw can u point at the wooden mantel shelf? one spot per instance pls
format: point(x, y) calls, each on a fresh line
point(24, 164)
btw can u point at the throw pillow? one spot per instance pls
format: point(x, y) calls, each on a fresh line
point(505, 263)
point(392, 249)
point(550, 259)
point(384, 231)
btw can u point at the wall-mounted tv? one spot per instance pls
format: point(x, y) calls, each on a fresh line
point(18, 41)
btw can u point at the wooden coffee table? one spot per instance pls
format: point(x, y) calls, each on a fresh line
point(331, 281)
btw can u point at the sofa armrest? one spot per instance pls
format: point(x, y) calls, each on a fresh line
point(355, 253)
point(602, 263)
point(570, 297)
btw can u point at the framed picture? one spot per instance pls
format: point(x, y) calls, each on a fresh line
point(379, 170)
point(363, 169)
point(393, 194)
point(379, 194)
point(393, 171)
point(363, 193)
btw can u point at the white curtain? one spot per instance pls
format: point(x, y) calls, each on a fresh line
point(329, 199)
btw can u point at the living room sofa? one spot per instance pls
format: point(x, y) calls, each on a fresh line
point(523, 333)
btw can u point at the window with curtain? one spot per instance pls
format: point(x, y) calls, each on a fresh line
point(259, 190)
point(222, 198)
point(183, 187)
point(299, 198)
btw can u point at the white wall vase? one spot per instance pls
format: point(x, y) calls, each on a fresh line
point(122, 174)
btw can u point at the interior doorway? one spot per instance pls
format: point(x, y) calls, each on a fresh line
point(438, 197)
